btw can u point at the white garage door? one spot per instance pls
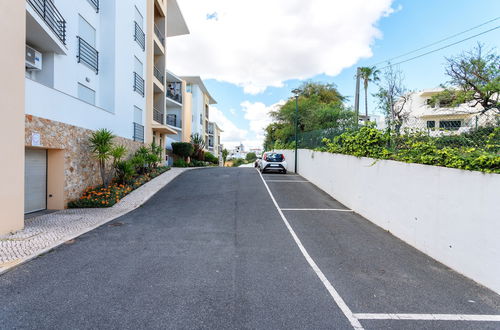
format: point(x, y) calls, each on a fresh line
point(35, 180)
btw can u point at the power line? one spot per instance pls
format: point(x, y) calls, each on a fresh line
point(437, 42)
point(441, 48)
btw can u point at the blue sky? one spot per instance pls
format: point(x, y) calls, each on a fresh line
point(410, 25)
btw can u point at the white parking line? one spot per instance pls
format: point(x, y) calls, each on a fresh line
point(336, 210)
point(286, 181)
point(355, 317)
point(432, 317)
point(335, 295)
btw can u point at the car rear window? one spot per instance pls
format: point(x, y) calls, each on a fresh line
point(274, 157)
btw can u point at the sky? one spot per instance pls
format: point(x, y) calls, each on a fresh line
point(251, 54)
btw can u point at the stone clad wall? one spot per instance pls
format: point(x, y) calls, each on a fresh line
point(81, 170)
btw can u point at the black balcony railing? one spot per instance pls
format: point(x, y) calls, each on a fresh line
point(95, 4)
point(138, 84)
point(138, 132)
point(174, 91)
point(158, 74)
point(158, 116)
point(159, 35)
point(88, 55)
point(48, 11)
point(139, 36)
point(172, 120)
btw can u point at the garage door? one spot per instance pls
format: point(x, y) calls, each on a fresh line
point(35, 180)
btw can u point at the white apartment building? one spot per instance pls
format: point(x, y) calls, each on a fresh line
point(199, 100)
point(214, 144)
point(91, 64)
point(420, 113)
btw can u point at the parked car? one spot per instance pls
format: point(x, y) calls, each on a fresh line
point(273, 161)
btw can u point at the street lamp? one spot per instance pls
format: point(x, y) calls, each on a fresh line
point(296, 92)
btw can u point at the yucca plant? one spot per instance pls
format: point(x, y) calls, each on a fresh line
point(198, 143)
point(101, 144)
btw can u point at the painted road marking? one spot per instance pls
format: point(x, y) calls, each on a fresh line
point(432, 317)
point(336, 210)
point(335, 295)
point(285, 180)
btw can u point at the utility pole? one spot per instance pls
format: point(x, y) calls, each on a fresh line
point(296, 92)
point(356, 95)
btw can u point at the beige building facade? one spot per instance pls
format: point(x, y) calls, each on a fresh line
point(12, 18)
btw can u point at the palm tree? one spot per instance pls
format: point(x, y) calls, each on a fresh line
point(198, 143)
point(368, 74)
point(101, 143)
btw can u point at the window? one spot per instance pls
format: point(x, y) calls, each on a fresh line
point(138, 68)
point(137, 115)
point(189, 88)
point(87, 32)
point(431, 124)
point(86, 94)
point(452, 125)
point(201, 119)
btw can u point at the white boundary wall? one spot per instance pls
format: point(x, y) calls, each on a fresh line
point(451, 215)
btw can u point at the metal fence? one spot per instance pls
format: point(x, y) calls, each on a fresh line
point(459, 131)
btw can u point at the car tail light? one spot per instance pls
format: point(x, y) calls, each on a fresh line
point(283, 157)
point(265, 157)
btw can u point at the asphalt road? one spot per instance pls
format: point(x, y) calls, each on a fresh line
point(212, 251)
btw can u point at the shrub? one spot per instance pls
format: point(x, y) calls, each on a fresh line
point(180, 163)
point(101, 196)
point(237, 162)
point(251, 157)
point(124, 171)
point(182, 149)
point(209, 157)
point(198, 163)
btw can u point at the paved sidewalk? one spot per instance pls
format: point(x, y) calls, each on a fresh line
point(45, 232)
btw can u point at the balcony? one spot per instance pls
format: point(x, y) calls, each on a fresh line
point(174, 91)
point(158, 116)
point(88, 55)
point(139, 36)
point(173, 121)
point(157, 73)
point(159, 35)
point(95, 4)
point(138, 84)
point(52, 17)
point(138, 132)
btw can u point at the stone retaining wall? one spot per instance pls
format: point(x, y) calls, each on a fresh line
point(80, 168)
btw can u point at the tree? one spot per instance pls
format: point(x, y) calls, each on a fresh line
point(225, 152)
point(101, 144)
point(182, 149)
point(368, 74)
point(474, 79)
point(392, 97)
point(321, 106)
point(251, 157)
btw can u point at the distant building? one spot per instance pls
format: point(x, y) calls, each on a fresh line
point(419, 112)
point(238, 152)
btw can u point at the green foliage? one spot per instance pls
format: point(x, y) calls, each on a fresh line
point(320, 106)
point(420, 148)
point(474, 77)
point(237, 162)
point(197, 163)
point(101, 145)
point(251, 157)
point(125, 171)
point(182, 149)
point(179, 162)
point(198, 143)
point(225, 153)
point(209, 157)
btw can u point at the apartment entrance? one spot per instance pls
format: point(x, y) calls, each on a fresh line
point(35, 180)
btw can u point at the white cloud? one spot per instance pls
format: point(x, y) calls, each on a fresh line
point(261, 43)
point(231, 135)
point(258, 116)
